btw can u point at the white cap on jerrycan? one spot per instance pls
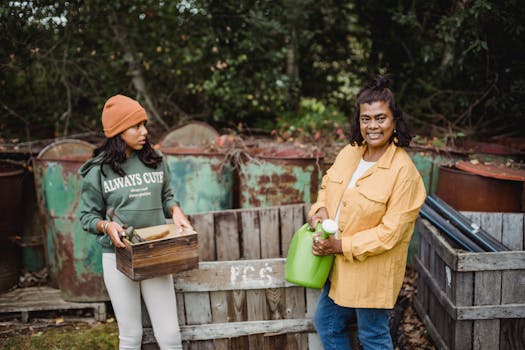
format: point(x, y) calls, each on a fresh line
point(329, 226)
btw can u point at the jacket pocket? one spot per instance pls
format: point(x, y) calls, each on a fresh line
point(372, 203)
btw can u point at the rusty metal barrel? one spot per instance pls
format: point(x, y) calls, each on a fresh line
point(202, 180)
point(11, 178)
point(467, 191)
point(278, 175)
point(73, 256)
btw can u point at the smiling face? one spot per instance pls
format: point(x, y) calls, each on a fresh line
point(377, 125)
point(135, 137)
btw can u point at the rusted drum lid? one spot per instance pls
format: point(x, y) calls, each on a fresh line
point(196, 134)
point(67, 149)
point(492, 170)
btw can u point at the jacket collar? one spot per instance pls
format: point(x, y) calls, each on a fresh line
point(385, 161)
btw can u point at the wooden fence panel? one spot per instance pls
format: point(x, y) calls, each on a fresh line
point(238, 298)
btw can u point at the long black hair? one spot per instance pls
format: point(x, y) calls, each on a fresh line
point(113, 152)
point(378, 91)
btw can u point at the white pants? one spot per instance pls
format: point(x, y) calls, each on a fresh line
point(159, 296)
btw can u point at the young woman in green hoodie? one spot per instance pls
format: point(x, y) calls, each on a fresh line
point(127, 174)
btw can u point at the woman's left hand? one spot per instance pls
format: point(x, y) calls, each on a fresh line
point(179, 218)
point(322, 247)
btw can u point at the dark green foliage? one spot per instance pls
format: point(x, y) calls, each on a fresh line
point(458, 66)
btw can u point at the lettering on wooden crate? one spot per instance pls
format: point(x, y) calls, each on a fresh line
point(248, 273)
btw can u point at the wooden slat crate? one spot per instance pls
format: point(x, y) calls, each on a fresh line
point(175, 253)
point(473, 300)
point(238, 298)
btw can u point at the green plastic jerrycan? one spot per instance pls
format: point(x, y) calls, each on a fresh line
point(302, 266)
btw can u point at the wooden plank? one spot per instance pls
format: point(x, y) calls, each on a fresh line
point(487, 312)
point(513, 287)
point(312, 296)
point(296, 308)
point(436, 337)
point(512, 334)
point(250, 234)
point(235, 329)
point(423, 250)
point(181, 310)
point(509, 260)
point(439, 244)
point(433, 291)
point(26, 300)
point(463, 288)
point(486, 335)
point(275, 298)
point(487, 287)
point(256, 310)
point(513, 231)
point(204, 225)
point(292, 218)
point(461, 337)
point(198, 309)
point(269, 221)
point(231, 275)
point(227, 236)
point(493, 224)
point(238, 314)
point(487, 291)
point(219, 314)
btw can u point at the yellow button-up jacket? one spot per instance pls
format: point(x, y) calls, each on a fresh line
point(376, 222)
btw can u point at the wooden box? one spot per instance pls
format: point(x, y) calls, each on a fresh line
point(473, 300)
point(177, 251)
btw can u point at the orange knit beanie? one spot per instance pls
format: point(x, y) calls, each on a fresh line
point(120, 113)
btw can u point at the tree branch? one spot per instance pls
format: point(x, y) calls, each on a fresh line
point(134, 69)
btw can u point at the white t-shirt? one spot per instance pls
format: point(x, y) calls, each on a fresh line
point(361, 168)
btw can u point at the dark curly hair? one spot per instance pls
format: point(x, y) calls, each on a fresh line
point(378, 91)
point(113, 152)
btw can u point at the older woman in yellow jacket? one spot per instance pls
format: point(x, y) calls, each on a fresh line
point(374, 192)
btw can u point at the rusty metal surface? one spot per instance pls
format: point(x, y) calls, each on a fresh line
point(201, 180)
point(74, 258)
point(497, 171)
point(11, 179)
point(269, 177)
point(469, 192)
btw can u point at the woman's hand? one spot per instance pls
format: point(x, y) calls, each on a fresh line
point(179, 218)
point(327, 246)
point(320, 215)
point(115, 232)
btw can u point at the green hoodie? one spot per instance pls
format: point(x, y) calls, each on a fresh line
point(141, 198)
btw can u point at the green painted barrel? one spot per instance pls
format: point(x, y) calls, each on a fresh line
point(202, 180)
point(73, 256)
point(272, 176)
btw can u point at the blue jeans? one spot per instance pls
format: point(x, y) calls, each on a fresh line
point(331, 322)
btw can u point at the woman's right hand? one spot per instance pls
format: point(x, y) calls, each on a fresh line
point(115, 232)
point(320, 215)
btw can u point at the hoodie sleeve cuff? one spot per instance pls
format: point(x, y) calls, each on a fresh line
point(169, 204)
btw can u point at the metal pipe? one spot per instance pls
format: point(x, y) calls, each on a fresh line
point(449, 230)
point(474, 232)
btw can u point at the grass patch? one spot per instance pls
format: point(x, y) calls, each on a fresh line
point(100, 336)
